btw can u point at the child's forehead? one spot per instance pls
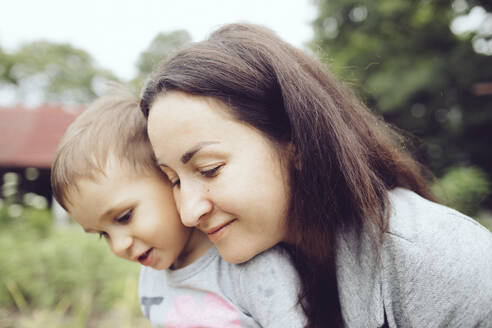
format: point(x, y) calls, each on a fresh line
point(101, 179)
point(122, 171)
point(112, 175)
point(117, 187)
point(100, 189)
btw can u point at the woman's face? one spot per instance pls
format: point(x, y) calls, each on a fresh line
point(228, 178)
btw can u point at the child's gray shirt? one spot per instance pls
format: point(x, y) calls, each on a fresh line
point(210, 292)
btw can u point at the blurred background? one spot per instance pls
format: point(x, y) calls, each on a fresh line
point(424, 65)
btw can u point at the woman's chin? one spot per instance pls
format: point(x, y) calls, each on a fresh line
point(234, 256)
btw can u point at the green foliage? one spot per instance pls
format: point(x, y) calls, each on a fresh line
point(161, 47)
point(67, 263)
point(77, 314)
point(6, 63)
point(404, 61)
point(463, 188)
point(36, 221)
point(61, 274)
point(58, 72)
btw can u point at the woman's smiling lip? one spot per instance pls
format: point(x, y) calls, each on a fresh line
point(217, 232)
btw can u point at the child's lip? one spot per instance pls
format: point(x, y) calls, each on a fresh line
point(146, 258)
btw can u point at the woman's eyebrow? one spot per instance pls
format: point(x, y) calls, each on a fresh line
point(196, 148)
point(186, 157)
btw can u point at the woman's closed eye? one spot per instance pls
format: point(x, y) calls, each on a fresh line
point(211, 172)
point(175, 182)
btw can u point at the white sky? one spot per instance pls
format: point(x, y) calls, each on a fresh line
point(114, 32)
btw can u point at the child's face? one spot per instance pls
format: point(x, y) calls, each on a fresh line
point(135, 213)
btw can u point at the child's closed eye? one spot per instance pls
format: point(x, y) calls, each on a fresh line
point(125, 217)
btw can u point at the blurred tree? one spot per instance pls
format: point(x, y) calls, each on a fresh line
point(406, 63)
point(463, 188)
point(6, 64)
point(54, 72)
point(159, 49)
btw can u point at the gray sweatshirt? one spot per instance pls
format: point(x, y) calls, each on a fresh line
point(434, 269)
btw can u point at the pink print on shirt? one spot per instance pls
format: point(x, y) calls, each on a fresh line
point(213, 312)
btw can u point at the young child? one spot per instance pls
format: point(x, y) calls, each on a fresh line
point(104, 175)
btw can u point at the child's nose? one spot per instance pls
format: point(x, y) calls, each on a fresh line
point(120, 245)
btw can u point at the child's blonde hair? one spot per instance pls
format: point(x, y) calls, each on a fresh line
point(112, 126)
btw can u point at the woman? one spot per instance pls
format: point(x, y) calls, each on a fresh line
point(264, 146)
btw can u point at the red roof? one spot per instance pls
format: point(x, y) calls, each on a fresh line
point(482, 89)
point(29, 137)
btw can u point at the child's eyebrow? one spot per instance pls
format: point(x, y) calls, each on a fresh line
point(108, 213)
point(111, 211)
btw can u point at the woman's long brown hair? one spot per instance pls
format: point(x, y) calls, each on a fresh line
point(343, 161)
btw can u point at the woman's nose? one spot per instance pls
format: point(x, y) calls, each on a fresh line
point(121, 244)
point(193, 203)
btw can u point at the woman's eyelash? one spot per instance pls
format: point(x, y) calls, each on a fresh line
point(211, 172)
point(207, 173)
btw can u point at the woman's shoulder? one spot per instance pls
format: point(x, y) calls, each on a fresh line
point(267, 287)
point(420, 221)
point(275, 258)
point(436, 262)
